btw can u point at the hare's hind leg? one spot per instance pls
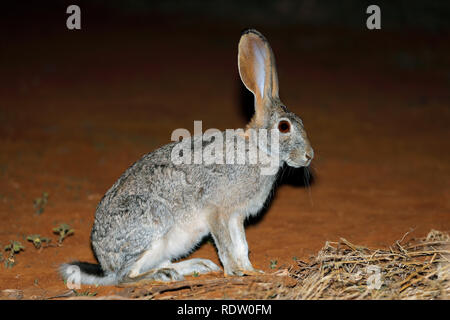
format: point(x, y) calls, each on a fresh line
point(155, 263)
point(152, 265)
point(146, 269)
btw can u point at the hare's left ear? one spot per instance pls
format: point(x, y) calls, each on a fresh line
point(257, 70)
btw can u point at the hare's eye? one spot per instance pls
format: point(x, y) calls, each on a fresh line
point(284, 126)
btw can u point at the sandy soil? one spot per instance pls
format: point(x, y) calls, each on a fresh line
point(77, 108)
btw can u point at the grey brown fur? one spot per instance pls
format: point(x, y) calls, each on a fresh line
point(157, 211)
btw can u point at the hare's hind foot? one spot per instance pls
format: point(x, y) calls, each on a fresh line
point(173, 271)
point(165, 274)
point(192, 266)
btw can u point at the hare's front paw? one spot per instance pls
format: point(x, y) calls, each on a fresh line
point(232, 273)
point(243, 272)
point(253, 272)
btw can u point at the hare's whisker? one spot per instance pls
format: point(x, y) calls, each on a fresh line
point(308, 185)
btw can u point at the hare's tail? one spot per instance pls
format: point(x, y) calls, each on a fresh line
point(86, 273)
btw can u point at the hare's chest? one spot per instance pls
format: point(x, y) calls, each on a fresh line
point(254, 205)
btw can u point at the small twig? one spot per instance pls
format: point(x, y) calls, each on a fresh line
point(414, 274)
point(427, 253)
point(401, 249)
point(423, 244)
point(66, 294)
point(404, 236)
point(346, 242)
point(158, 289)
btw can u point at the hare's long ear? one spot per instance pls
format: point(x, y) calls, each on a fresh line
point(258, 71)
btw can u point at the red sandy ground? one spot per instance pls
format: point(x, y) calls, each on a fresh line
point(77, 108)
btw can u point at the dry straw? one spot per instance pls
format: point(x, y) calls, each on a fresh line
point(418, 269)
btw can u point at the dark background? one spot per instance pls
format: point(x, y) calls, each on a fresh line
point(433, 16)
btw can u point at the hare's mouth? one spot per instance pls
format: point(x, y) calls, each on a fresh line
point(300, 158)
point(297, 164)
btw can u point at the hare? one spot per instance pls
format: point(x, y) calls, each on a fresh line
point(158, 211)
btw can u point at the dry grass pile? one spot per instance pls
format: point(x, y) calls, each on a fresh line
point(417, 269)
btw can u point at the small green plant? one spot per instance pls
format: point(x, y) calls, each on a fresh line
point(294, 258)
point(195, 274)
point(14, 247)
point(38, 240)
point(273, 264)
point(84, 293)
point(64, 230)
point(40, 203)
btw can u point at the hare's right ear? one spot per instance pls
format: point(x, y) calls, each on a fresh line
point(258, 71)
